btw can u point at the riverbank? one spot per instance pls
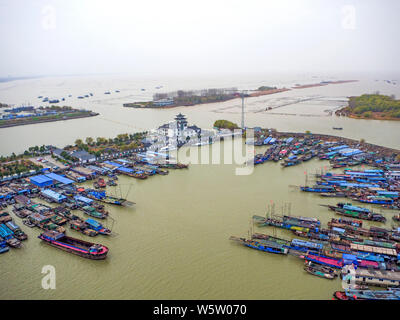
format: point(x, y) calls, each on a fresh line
point(25, 121)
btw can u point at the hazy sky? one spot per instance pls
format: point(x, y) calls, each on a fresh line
point(189, 37)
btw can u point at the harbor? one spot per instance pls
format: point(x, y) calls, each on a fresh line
point(149, 230)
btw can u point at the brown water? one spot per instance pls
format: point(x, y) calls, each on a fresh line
point(174, 243)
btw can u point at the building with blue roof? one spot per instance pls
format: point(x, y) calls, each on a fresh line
point(41, 181)
point(59, 178)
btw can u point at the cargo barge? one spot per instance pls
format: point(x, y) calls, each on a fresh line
point(75, 246)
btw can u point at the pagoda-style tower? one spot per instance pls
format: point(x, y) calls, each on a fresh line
point(181, 122)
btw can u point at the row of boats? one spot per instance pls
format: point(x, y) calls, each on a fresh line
point(327, 251)
point(369, 186)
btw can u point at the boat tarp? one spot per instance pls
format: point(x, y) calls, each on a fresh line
point(113, 164)
point(123, 169)
point(53, 195)
point(83, 199)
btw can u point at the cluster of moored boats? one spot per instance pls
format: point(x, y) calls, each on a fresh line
point(294, 150)
point(365, 258)
point(50, 207)
point(370, 186)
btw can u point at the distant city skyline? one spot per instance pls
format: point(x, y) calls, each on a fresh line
point(184, 38)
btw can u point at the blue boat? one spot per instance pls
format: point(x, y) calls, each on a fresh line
point(318, 189)
point(94, 225)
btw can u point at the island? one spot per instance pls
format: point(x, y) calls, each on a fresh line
point(194, 97)
point(30, 115)
point(372, 106)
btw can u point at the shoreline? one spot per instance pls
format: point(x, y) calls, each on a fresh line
point(258, 93)
point(9, 125)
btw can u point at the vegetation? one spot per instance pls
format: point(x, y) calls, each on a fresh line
point(266, 88)
point(373, 106)
point(225, 124)
point(17, 167)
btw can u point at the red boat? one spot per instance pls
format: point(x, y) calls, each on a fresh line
point(101, 183)
point(76, 246)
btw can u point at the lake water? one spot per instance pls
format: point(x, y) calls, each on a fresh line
point(173, 244)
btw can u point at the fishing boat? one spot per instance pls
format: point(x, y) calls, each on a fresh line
point(28, 223)
point(3, 246)
point(337, 128)
point(266, 246)
point(111, 183)
point(18, 233)
point(326, 261)
point(98, 227)
point(349, 210)
point(76, 246)
point(81, 226)
point(90, 211)
point(320, 271)
point(101, 183)
point(317, 188)
point(102, 197)
point(352, 294)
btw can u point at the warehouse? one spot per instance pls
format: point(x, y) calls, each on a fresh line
point(59, 178)
point(41, 181)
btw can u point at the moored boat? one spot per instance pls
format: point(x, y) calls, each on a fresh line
point(76, 246)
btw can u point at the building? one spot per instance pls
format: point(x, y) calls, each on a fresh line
point(58, 178)
point(83, 156)
point(41, 181)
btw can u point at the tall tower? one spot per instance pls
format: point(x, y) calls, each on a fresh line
point(242, 94)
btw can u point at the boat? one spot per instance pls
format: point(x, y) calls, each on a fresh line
point(111, 183)
point(90, 211)
point(28, 223)
point(354, 294)
point(76, 246)
point(98, 227)
point(107, 92)
point(356, 212)
point(102, 197)
point(320, 189)
point(320, 271)
point(100, 183)
point(18, 233)
point(14, 243)
point(81, 226)
point(326, 261)
point(337, 128)
point(3, 246)
point(266, 246)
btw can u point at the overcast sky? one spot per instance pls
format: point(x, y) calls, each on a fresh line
point(189, 37)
